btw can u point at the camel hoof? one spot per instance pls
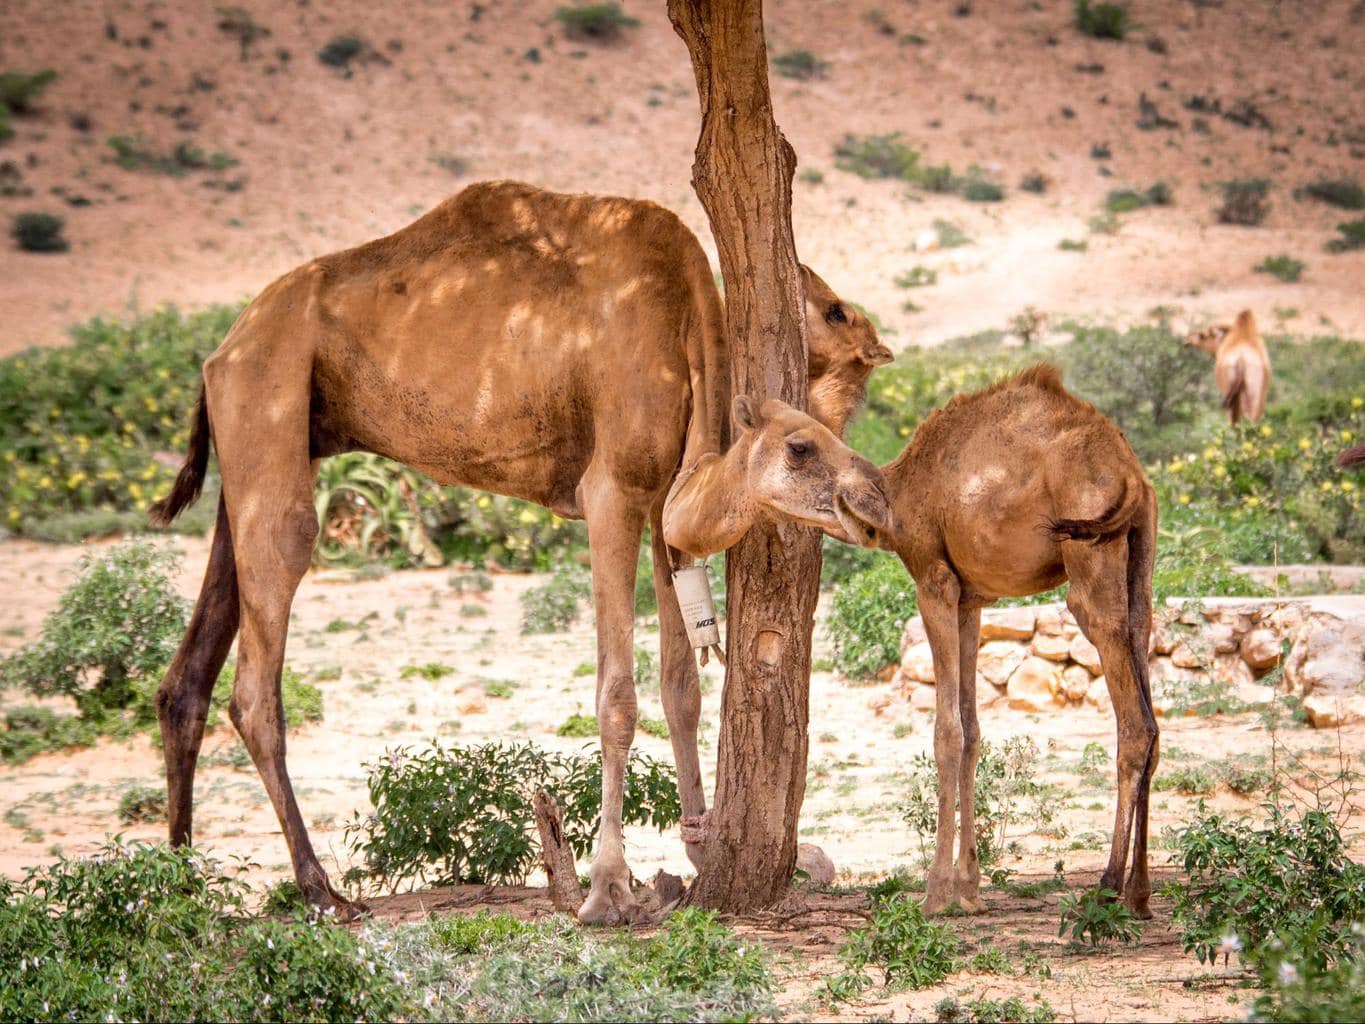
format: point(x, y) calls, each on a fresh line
point(598, 909)
point(935, 903)
point(971, 904)
point(1140, 909)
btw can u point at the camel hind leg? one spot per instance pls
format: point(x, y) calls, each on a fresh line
point(679, 687)
point(182, 700)
point(967, 880)
point(615, 526)
point(1099, 598)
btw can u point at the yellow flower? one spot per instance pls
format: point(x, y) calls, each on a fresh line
point(135, 490)
point(163, 373)
point(1219, 472)
point(150, 403)
point(1265, 430)
point(483, 501)
point(1346, 435)
point(1327, 486)
point(1210, 453)
point(1357, 402)
point(1304, 444)
point(13, 515)
point(45, 481)
point(527, 517)
point(75, 480)
point(904, 431)
point(1347, 486)
point(1252, 501)
point(1184, 499)
point(150, 471)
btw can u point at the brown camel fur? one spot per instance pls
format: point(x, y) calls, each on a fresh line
point(565, 349)
point(1006, 492)
point(1352, 457)
point(1241, 365)
point(713, 503)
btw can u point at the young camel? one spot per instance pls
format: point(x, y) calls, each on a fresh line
point(565, 349)
point(1006, 492)
point(1241, 365)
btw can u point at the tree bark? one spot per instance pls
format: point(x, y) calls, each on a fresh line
point(743, 175)
point(556, 854)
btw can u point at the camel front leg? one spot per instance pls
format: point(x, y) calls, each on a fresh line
point(614, 530)
point(938, 596)
point(680, 689)
point(968, 878)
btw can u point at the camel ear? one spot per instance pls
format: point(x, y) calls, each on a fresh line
point(877, 354)
point(746, 414)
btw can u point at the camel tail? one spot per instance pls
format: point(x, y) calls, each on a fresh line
point(1113, 519)
point(190, 480)
point(1352, 457)
point(1232, 401)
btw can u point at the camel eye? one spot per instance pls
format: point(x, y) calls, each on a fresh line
point(799, 449)
point(835, 314)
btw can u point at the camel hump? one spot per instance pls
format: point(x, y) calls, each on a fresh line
point(1047, 376)
point(1246, 322)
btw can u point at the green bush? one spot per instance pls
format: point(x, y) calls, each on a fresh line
point(877, 156)
point(598, 23)
point(463, 814)
point(1352, 234)
point(1096, 916)
point(39, 232)
point(30, 731)
point(141, 932)
point(18, 90)
point(1286, 268)
point(1035, 182)
point(990, 1011)
point(1345, 193)
point(142, 803)
point(1102, 21)
point(1125, 200)
point(553, 606)
point(918, 276)
point(1286, 898)
point(867, 616)
point(979, 190)
point(1187, 781)
point(1244, 201)
point(341, 50)
point(799, 64)
point(133, 153)
point(119, 622)
point(908, 950)
point(578, 726)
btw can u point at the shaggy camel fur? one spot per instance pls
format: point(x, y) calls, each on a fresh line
point(565, 349)
point(1006, 492)
point(1352, 457)
point(1241, 365)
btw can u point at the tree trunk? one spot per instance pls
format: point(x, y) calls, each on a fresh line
point(743, 175)
point(566, 894)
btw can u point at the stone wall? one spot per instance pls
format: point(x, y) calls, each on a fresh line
point(1037, 659)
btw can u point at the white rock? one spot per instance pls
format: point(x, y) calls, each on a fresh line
point(1328, 657)
point(1008, 623)
point(913, 634)
point(1083, 652)
point(1032, 684)
point(1187, 655)
point(1075, 682)
point(1050, 619)
point(1328, 710)
point(918, 663)
point(1052, 646)
point(1261, 649)
point(1098, 694)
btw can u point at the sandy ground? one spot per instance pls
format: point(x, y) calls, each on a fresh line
point(862, 743)
point(327, 161)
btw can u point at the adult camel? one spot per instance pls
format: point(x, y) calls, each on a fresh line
point(1241, 365)
point(1006, 492)
point(564, 349)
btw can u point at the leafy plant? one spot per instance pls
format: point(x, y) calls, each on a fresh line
point(18, 89)
point(1286, 268)
point(908, 950)
point(599, 23)
point(799, 64)
point(1244, 201)
point(876, 156)
point(1103, 20)
point(1345, 193)
point(1128, 199)
point(1034, 181)
point(240, 24)
point(463, 814)
point(1352, 236)
point(867, 615)
point(133, 153)
point(340, 51)
point(553, 606)
point(142, 803)
point(39, 232)
point(1096, 916)
point(949, 1010)
point(1186, 780)
point(916, 277)
point(578, 726)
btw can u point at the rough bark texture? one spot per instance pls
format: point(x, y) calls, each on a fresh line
point(557, 855)
point(743, 174)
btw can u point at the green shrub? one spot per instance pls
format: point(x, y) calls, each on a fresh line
point(1035, 182)
point(240, 24)
point(1285, 897)
point(799, 64)
point(30, 731)
point(990, 1011)
point(1187, 781)
point(867, 616)
point(463, 814)
point(1096, 916)
point(39, 232)
point(1352, 234)
point(120, 621)
point(341, 50)
point(133, 153)
point(19, 90)
point(1102, 21)
point(1072, 245)
point(1343, 192)
point(916, 277)
point(877, 156)
point(1286, 268)
point(142, 804)
point(1006, 790)
point(979, 190)
point(908, 950)
point(578, 726)
point(598, 23)
point(1244, 201)
point(553, 606)
point(1126, 200)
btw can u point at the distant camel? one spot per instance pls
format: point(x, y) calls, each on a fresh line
point(1241, 365)
point(565, 349)
point(1006, 492)
point(1352, 457)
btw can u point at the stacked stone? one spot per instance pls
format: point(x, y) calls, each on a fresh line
point(1037, 659)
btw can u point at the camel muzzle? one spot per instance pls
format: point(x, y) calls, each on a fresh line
point(859, 526)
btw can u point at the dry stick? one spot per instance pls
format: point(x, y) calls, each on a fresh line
point(565, 893)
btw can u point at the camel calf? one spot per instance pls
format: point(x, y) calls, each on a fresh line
point(1241, 365)
point(564, 349)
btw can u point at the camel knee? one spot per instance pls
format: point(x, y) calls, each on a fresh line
point(617, 710)
point(181, 709)
point(1137, 748)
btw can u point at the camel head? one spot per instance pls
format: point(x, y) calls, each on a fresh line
point(844, 348)
point(1209, 338)
point(797, 470)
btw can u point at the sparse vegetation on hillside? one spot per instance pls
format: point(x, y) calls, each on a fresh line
point(19, 90)
point(39, 232)
point(1244, 201)
point(1345, 193)
point(1126, 200)
point(886, 156)
point(1102, 20)
point(1286, 268)
point(1351, 236)
point(799, 64)
point(133, 153)
point(340, 51)
point(595, 22)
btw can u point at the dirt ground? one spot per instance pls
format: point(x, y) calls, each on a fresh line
point(449, 94)
point(862, 742)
